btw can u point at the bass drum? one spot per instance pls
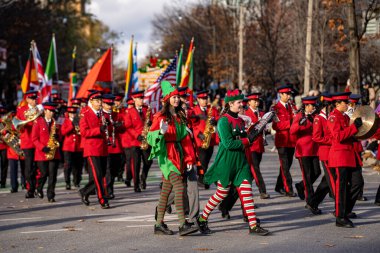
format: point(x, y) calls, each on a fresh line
point(370, 122)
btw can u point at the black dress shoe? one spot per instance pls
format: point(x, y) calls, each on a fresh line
point(51, 200)
point(290, 194)
point(127, 183)
point(68, 187)
point(245, 219)
point(162, 230)
point(257, 230)
point(40, 194)
point(143, 185)
point(203, 226)
point(105, 206)
point(343, 223)
point(280, 191)
point(207, 186)
point(264, 195)
point(120, 179)
point(313, 210)
point(29, 195)
point(187, 229)
point(300, 191)
point(225, 213)
point(84, 199)
point(377, 203)
point(137, 189)
point(352, 215)
point(2, 186)
point(362, 198)
point(14, 190)
point(111, 196)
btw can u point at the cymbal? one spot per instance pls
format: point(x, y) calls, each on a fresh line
point(370, 122)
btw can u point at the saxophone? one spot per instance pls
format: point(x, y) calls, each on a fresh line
point(53, 144)
point(144, 144)
point(209, 130)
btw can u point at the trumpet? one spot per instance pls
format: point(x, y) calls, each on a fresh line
point(105, 123)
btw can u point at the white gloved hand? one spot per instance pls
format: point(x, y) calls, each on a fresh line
point(163, 126)
point(189, 167)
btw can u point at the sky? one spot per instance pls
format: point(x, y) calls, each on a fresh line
point(129, 17)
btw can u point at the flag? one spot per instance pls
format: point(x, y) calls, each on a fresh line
point(101, 71)
point(190, 84)
point(179, 67)
point(43, 87)
point(51, 66)
point(135, 76)
point(73, 77)
point(29, 79)
point(152, 96)
point(129, 72)
point(186, 72)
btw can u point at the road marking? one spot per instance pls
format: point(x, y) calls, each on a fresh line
point(32, 218)
point(138, 226)
point(141, 218)
point(52, 230)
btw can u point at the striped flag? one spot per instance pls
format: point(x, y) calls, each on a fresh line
point(51, 65)
point(186, 72)
point(44, 88)
point(135, 76)
point(153, 94)
point(73, 77)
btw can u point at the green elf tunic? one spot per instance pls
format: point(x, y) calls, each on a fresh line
point(230, 164)
point(173, 149)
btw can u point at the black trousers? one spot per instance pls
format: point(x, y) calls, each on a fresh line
point(205, 156)
point(4, 166)
point(48, 169)
point(121, 170)
point(13, 164)
point(349, 181)
point(310, 172)
point(139, 155)
point(30, 170)
point(113, 168)
point(327, 185)
point(377, 200)
point(128, 164)
point(255, 169)
point(284, 179)
point(97, 166)
point(73, 165)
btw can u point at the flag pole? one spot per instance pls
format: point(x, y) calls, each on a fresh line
point(55, 58)
point(112, 74)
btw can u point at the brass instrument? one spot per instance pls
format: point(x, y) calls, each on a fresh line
point(113, 130)
point(370, 122)
point(117, 108)
point(76, 125)
point(53, 144)
point(11, 137)
point(209, 130)
point(144, 144)
point(105, 123)
point(30, 115)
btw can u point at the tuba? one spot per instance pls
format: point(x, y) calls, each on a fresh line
point(144, 144)
point(53, 144)
point(10, 137)
point(209, 130)
point(30, 115)
point(370, 122)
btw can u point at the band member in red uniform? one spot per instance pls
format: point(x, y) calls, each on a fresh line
point(3, 154)
point(134, 123)
point(306, 148)
point(201, 114)
point(343, 157)
point(45, 140)
point(126, 138)
point(114, 144)
point(119, 109)
point(256, 150)
point(322, 136)
point(72, 152)
point(93, 131)
point(26, 142)
point(283, 141)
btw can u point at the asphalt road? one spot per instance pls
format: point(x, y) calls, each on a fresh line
point(34, 225)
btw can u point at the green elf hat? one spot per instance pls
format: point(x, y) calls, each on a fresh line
point(168, 90)
point(233, 95)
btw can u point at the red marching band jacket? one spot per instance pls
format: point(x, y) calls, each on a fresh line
point(258, 144)
point(40, 138)
point(133, 126)
point(94, 141)
point(26, 130)
point(72, 139)
point(322, 136)
point(342, 153)
point(282, 127)
point(117, 149)
point(305, 146)
point(3, 145)
point(199, 125)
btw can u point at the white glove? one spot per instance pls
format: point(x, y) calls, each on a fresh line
point(163, 127)
point(189, 167)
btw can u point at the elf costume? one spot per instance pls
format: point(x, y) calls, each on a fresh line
point(231, 167)
point(172, 146)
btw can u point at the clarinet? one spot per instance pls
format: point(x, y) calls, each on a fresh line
point(113, 130)
point(104, 123)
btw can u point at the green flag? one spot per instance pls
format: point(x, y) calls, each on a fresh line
point(179, 67)
point(190, 83)
point(51, 65)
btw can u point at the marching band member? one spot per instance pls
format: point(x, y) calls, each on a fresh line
point(306, 148)
point(93, 132)
point(26, 142)
point(201, 116)
point(283, 141)
point(343, 157)
point(171, 143)
point(72, 152)
point(230, 168)
point(119, 109)
point(44, 137)
point(126, 138)
point(256, 150)
point(3, 154)
point(134, 120)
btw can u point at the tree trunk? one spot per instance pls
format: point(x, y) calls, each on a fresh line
point(354, 53)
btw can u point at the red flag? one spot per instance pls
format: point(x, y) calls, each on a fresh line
point(101, 71)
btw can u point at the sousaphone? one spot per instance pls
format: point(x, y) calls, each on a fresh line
point(370, 122)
